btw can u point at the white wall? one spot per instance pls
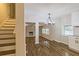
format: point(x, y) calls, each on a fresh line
point(4, 14)
point(65, 20)
point(75, 18)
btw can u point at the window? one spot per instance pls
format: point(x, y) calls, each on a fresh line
point(68, 30)
point(45, 31)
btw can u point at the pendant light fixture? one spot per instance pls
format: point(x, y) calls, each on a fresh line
point(50, 20)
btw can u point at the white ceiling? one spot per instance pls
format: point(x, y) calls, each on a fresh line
point(39, 11)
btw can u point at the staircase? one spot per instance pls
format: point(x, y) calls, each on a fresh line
point(7, 38)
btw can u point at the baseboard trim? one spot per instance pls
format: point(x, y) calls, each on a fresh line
point(76, 51)
point(54, 40)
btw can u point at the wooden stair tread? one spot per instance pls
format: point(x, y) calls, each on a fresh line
point(7, 52)
point(8, 26)
point(6, 29)
point(7, 44)
point(10, 54)
point(6, 33)
point(8, 38)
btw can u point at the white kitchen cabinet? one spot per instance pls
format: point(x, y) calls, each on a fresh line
point(74, 43)
point(75, 18)
point(74, 40)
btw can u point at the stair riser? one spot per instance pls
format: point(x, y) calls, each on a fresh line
point(7, 41)
point(9, 55)
point(7, 28)
point(2, 32)
point(9, 25)
point(6, 36)
point(10, 22)
point(6, 33)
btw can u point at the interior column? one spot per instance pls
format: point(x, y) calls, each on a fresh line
point(37, 33)
point(20, 35)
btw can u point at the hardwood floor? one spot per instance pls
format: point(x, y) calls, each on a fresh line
point(47, 48)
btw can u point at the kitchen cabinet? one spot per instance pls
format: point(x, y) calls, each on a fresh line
point(74, 40)
point(74, 43)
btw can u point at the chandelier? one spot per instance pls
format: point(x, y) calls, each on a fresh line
point(50, 20)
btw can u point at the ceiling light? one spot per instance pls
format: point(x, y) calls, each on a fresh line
point(50, 20)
